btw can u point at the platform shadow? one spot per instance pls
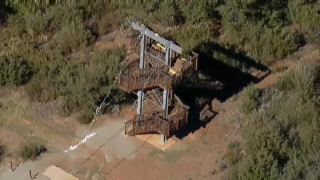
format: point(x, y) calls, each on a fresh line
point(233, 80)
point(5, 11)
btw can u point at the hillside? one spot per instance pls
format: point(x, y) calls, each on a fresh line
point(258, 70)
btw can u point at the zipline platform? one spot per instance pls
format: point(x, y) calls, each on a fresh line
point(159, 66)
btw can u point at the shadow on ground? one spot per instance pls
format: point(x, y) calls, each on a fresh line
point(5, 11)
point(196, 92)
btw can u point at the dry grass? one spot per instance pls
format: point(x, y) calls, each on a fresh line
point(17, 108)
point(14, 107)
point(32, 120)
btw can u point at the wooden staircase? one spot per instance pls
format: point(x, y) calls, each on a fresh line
point(135, 79)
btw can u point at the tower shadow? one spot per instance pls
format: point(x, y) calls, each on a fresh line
point(5, 11)
point(233, 80)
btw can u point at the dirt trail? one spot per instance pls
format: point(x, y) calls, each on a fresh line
point(22, 171)
point(114, 146)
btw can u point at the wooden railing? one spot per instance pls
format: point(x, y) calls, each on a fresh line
point(147, 125)
point(178, 120)
point(145, 78)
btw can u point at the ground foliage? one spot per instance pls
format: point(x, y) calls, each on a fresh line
point(280, 129)
point(48, 50)
point(31, 150)
point(265, 31)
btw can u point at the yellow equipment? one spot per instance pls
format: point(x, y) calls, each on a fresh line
point(172, 71)
point(160, 46)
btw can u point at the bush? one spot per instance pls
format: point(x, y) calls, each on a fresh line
point(195, 12)
point(63, 66)
point(301, 79)
point(31, 150)
point(36, 21)
point(190, 40)
point(304, 17)
point(14, 71)
point(80, 83)
point(249, 100)
point(284, 83)
point(262, 44)
point(34, 90)
point(43, 91)
point(72, 36)
point(86, 116)
point(233, 155)
point(283, 134)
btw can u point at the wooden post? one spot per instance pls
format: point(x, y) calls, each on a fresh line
point(132, 127)
point(187, 116)
point(158, 77)
point(196, 64)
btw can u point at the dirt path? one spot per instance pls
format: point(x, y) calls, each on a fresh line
point(108, 142)
point(112, 141)
point(22, 171)
point(197, 156)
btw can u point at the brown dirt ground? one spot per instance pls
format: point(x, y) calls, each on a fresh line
point(200, 155)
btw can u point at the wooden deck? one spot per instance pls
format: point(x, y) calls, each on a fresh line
point(156, 74)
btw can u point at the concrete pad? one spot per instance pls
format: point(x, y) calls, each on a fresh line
point(115, 145)
point(155, 140)
point(55, 173)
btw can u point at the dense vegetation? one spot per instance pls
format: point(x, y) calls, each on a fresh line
point(263, 31)
point(281, 129)
point(48, 50)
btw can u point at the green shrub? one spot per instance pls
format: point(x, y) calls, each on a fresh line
point(262, 44)
point(86, 116)
point(36, 21)
point(249, 100)
point(281, 140)
point(80, 83)
point(304, 16)
point(284, 83)
point(134, 11)
point(43, 92)
point(301, 78)
point(190, 40)
point(71, 37)
point(14, 71)
point(31, 150)
point(195, 12)
point(165, 12)
point(34, 90)
point(233, 154)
